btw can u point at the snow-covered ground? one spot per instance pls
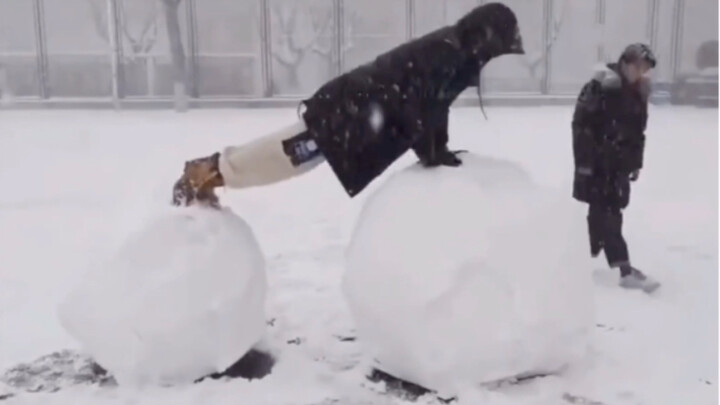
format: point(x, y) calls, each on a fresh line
point(74, 184)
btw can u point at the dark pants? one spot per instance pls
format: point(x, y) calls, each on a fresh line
point(605, 228)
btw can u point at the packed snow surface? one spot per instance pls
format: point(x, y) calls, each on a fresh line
point(76, 184)
point(469, 275)
point(182, 298)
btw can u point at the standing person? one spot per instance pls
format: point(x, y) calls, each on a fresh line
point(362, 121)
point(608, 131)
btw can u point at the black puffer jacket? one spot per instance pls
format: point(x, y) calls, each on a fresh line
point(367, 118)
point(608, 130)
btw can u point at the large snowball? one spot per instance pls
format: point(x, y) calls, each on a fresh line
point(459, 276)
point(183, 298)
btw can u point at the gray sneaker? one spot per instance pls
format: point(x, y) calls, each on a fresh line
point(636, 280)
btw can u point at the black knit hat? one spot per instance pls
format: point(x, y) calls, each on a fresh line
point(638, 51)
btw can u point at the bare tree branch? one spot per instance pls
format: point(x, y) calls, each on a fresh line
point(141, 44)
point(99, 20)
point(284, 40)
point(534, 60)
point(138, 45)
point(292, 47)
point(347, 43)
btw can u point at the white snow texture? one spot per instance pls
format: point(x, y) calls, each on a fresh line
point(182, 298)
point(460, 276)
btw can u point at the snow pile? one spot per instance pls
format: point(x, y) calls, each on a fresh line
point(183, 298)
point(459, 276)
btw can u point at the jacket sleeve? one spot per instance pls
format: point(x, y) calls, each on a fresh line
point(636, 146)
point(587, 127)
point(432, 133)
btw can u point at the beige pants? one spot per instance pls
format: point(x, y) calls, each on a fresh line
point(263, 161)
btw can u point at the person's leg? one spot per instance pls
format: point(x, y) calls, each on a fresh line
point(616, 250)
point(275, 157)
point(596, 228)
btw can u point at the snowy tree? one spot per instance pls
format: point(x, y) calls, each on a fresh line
point(302, 29)
point(534, 59)
point(140, 42)
point(137, 43)
point(299, 26)
point(347, 43)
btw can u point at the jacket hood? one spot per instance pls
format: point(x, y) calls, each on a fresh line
point(489, 31)
point(616, 79)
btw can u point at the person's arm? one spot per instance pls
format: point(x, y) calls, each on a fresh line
point(587, 127)
point(636, 147)
point(272, 158)
point(431, 145)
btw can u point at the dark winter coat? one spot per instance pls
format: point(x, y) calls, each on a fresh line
point(367, 118)
point(608, 131)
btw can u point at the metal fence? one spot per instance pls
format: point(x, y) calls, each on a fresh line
point(112, 50)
